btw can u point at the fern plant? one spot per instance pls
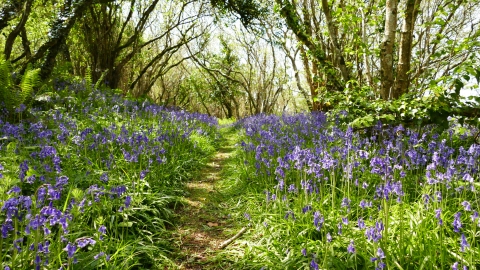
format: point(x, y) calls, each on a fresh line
point(5, 84)
point(14, 95)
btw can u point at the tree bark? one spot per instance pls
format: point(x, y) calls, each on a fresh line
point(405, 52)
point(340, 60)
point(295, 24)
point(387, 48)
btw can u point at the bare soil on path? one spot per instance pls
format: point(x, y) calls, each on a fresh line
point(203, 219)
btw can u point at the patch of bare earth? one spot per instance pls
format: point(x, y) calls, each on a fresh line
point(202, 224)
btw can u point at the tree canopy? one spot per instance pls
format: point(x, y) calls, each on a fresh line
point(389, 60)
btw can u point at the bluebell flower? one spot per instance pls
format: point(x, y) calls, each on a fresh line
point(463, 243)
point(37, 261)
point(318, 220)
point(14, 189)
point(438, 213)
point(23, 170)
point(380, 253)
point(345, 203)
point(61, 182)
point(468, 178)
point(361, 223)
point(15, 244)
point(70, 249)
point(102, 229)
point(304, 252)
point(143, 174)
point(457, 223)
point(466, 205)
point(290, 213)
point(99, 255)
point(56, 164)
point(85, 241)
point(351, 247)
point(474, 216)
point(31, 179)
point(306, 209)
point(313, 265)
point(374, 233)
point(364, 204)
point(128, 200)
point(381, 265)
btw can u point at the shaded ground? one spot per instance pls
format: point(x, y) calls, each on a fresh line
point(203, 221)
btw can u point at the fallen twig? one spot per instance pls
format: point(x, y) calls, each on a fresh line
point(229, 241)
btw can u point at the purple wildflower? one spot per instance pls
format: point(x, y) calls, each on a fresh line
point(463, 243)
point(474, 216)
point(14, 189)
point(438, 213)
point(457, 223)
point(380, 253)
point(83, 242)
point(466, 205)
point(351, 247)
point(70, 249)
point(329, 237)
point(104, 177)
point(361, 223)
point(318, 220)
point(128, 200)
point(306, 209)
point(346, 203)
point(99, 255)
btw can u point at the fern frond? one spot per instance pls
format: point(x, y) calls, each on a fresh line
point(6, 84)
point(88, 80)
point(99, 81)
point(30, 80)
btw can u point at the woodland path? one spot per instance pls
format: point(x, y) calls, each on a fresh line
point(203, 220)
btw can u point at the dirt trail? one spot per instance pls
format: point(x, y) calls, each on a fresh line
point(203, 221)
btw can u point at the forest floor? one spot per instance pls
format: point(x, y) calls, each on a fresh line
point(203, 220)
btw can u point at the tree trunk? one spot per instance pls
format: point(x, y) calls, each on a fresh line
point(405, 51)
point(58, 33)
point(387, 48)
point(340, 60)
point(296, 24)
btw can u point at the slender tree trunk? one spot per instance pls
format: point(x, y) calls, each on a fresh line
point(387, 49)
point(405, 51)
point(298, 81)
point(313, 90)
point(340, 60)
point(59, 31)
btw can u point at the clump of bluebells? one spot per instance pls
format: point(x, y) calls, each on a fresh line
point(374, 198)
point(70, 176)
